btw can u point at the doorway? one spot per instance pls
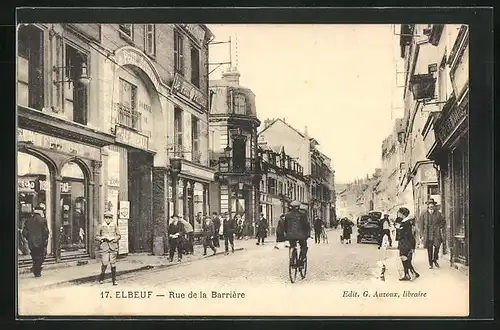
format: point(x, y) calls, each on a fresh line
point(140, 225)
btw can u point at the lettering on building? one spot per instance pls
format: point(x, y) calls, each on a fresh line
point(182, 87)
point(455, 117)
point(131, 138)
point(53, 143)
point(194, 31)
point(129, 57)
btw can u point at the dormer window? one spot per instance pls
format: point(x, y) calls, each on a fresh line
point(240, 104)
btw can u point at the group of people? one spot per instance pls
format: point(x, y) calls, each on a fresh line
point(431, 233)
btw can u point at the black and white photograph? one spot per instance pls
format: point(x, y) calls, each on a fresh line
point(172, 169)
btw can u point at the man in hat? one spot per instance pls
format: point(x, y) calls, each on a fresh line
point(385, 230)
point(108, 237)
point(36, 232)
point(216, 222)
point(175, 233)
point(318, 228)
point(297, 228)
point(228, 229)
point(433, 227)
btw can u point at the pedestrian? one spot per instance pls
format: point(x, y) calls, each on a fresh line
point(262, 227)
point(217, 226)
point(239, 223)
point(318, 227)
point(346, 231)
point(228, 229)
point(433, 234)
point(297, 229)
point(36, 232)
point(175, 234)
point(385, 230)
point(280, 232)
point(208, 235)
point(383, 257)
point(407, 243)
point(187, 243)
point(108, 237)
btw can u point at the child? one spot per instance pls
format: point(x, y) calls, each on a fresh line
point(383, 256)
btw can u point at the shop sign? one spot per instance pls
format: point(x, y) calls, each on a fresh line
point(197, 172)
point(182, 87)
point(456, 115)
point(124, 209)
point(131, 138)
point(131, 57)
point(428, 174)
point(123, 217)
point(26, 184)
point(195, 31)
point(60, 145)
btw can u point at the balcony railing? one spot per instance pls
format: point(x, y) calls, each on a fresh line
point(231, 165)
point(128, 117)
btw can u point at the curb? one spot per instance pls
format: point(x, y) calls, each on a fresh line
point(95, 278)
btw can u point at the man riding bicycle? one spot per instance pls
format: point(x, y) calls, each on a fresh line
point(297, 228)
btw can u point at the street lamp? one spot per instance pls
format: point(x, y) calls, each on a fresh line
point(83, 79)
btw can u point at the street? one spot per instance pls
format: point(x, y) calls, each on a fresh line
point(255, 282)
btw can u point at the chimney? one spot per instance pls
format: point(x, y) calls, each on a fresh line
point(305, 131)
point(232, 77)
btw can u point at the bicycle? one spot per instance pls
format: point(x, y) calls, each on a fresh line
point(293, 268)
point(324, 236)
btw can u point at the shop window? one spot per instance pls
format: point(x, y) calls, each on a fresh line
point(34, 189)
point(75, 93)
point(127, 31)
point(30, 67)
point(195, 139)
point(178, 143)
point(128, 115)
point(239, 104)
point(150, 39)
point(73, 204)
point(195, 66)
point(178, 52)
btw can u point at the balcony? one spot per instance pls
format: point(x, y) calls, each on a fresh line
point(244, 166)
point(128, 117)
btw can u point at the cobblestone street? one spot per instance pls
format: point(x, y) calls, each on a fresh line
point(261, 274)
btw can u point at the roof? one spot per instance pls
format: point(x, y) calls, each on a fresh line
point(284, 122)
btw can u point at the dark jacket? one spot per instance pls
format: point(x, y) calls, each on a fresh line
point(347, 225)
point(36, 231)
point(216, 222)
point(229, 226)
point(208, 230)
point(318, 225)
point(433, 226)
point(262, 228)
point(396, 222)
point(176, 229)
point(280, 231)
point(407, 240)
point(296, 225)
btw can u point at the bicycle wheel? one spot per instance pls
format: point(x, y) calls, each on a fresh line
point(303, 269)
point(292, 269)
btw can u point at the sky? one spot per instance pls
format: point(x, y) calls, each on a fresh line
point(338, 80)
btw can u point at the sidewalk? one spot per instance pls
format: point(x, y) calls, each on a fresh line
point(64, 275)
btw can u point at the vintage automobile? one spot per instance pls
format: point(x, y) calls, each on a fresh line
point(369, 227)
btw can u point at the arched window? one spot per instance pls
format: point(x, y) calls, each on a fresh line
point(240, 104)
point(33, 177)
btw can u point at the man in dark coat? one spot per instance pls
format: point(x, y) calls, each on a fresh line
point(262, 226)
point(175, 234)
point(216, 222)
point(385, 229)
point(297, 228)
point(36, 232)
point(318, 227)
point(280, 234)
point(228, 229)
point(208, 235)
point(433, 227)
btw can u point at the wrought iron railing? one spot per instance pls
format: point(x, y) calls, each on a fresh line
point(231, 165)
point(128, 117)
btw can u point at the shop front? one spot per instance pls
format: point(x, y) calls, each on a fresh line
point(62, 177)
point(425, 186)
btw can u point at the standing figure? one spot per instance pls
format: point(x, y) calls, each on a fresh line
point(216, 222)
point(228, 230)
point(108, 237)
point(433, 224)
point(36, 232)
point(407, 243)
point(383, 257)
point(297, 228)
point(385, 230)
point(208, 235)
point(280, 231)
point(262, 227)
point(175, 234)
point(187, 243)
point(318, 228)
point(346, 230)
point(239, 223)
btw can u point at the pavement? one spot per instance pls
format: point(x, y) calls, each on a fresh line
point(342, 280)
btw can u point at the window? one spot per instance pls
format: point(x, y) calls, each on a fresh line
point(178, 133)
point(195, 139)
point(30, 67)
point(127, 31)
point(75, 93)
point(239, 104)
point(178, 53)
point(149, 39)
point(127, 108)
point(195, 67)
point(271, 186)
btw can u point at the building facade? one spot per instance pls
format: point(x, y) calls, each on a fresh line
point(282, 181)
point(322, 185)
point(234, 149)
point(111, 117)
